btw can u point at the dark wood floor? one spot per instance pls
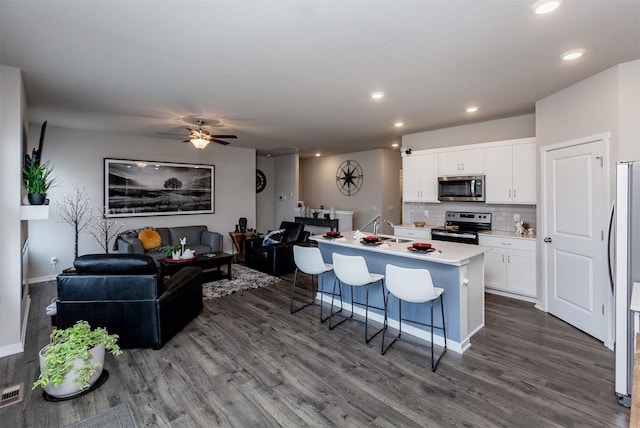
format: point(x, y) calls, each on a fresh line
point(245, 361)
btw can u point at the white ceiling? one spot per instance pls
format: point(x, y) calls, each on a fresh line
point(295, 75)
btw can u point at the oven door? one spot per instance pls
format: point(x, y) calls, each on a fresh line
point(461, 188)
point(454, 236)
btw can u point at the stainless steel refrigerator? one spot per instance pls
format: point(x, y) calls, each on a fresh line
point(626, 272)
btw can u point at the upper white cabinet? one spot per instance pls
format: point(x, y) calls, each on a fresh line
point(420, 178)
point(510, 172)
point(462, 162)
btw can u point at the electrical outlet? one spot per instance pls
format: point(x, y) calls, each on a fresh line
point(53, 260)
point(516, 217)
point(426, 213)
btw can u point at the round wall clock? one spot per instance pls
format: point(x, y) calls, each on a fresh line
point(261, 181)
point(349, 177)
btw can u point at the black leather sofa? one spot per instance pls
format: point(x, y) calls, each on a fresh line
point(276, 258)
point(126, 294)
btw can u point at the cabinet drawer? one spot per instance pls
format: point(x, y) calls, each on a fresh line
point(524, 244)
point(411, 232)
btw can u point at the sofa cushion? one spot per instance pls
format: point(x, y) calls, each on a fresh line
point(150, 239)
point(192, 233)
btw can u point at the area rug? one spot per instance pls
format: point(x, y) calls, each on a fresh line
point(119, 416)
point(243, 278)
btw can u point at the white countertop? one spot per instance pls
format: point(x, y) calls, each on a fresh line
point(447, 252)
point(507, 234)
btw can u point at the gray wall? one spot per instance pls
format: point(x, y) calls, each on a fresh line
point(77, 157)
point(379, 194)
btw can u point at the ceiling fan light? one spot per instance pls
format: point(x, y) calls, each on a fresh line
point(199, 143)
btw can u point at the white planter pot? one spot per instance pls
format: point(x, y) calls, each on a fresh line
point(175, 255)
point(68, 387)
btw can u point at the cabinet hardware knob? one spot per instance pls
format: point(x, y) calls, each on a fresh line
point(547, 239)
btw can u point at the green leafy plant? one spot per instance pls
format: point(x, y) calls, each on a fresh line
point(69, 344)
point(37, 177)
point(525, 226)
point(172, 249)
point(255, 233)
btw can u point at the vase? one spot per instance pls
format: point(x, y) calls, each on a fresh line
point(68, 387)
point(175, 255)
point(332, 213)
point(36, 198)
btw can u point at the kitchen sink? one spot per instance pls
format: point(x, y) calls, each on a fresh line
point(396, 240)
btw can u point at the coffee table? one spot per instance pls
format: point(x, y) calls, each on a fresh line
point(209, 263)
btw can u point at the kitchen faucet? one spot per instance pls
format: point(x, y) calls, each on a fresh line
point(378, 221)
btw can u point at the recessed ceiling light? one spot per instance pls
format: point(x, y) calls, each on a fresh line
point(395, 145)
point(472, 109)
point(573, 54)
point(545, 6)
point(317, 154)
point(377, 95)
point(398, 124)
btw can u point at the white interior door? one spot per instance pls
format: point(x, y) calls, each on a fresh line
point(574, 240)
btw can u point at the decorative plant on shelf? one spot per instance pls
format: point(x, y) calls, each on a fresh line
point(71, 350)
point(37, 180)
point(255, 233)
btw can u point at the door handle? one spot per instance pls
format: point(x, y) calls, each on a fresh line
point(547, 239)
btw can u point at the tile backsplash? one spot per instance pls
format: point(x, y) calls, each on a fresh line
point(501, 215)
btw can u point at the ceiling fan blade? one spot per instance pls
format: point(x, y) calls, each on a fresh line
point(220, 141)
point(166, 133)
point(224, 136)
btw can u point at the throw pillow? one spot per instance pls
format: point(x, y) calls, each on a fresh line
point(149, 238)
point(272, 237)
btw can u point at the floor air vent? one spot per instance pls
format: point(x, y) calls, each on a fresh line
point(11, 395)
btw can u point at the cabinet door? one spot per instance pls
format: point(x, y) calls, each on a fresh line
point(472, 161)
point(498, 175)
point(495, 275)
point(521, 272)
point(524, 173)
point(411, 179)
point(429, 167)
point(449, 163)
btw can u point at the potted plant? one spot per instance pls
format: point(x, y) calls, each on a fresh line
point(37, 180)
point(74, 359)
point(173, 251)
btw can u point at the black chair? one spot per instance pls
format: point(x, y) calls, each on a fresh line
point(276, 258)
point(126, 294)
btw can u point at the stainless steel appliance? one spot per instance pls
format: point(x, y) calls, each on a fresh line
point(461, 188)
point(462, 227)
point(626, 273)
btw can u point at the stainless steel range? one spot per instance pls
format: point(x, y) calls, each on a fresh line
point(462, 227)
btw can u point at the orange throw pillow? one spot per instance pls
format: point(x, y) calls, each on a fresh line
point(150, 239)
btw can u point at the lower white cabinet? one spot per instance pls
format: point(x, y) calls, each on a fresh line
point(412, 232)
point(510, 265)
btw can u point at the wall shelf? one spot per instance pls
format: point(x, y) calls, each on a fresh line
point(34, 212)
point(323, 222)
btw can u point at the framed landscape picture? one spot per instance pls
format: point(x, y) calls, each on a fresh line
point(147, 188)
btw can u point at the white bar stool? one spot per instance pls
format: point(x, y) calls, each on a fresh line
point(309, 260)
point(352, 271)
point(415, 286)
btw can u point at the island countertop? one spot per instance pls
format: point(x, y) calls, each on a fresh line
point(451, 253)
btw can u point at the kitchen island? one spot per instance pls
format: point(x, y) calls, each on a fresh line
point(457, 268)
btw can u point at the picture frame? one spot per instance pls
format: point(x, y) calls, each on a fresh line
point(136, 188)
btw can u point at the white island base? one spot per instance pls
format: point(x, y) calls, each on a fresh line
point(457, 268)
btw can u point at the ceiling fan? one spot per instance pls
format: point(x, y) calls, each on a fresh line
point(201, 138)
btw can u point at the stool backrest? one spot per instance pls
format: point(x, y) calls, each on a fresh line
point(410, 285)
point(309, 260)
point(351, 270)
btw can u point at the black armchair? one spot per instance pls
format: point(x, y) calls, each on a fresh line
point(276, 258)
point(125, 294)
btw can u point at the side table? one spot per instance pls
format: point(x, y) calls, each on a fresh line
point(239, 239)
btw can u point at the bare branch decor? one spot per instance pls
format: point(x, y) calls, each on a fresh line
point(146, 188)
point(74, 210)
point(103, 229)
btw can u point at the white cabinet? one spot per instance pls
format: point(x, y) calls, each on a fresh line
point(412, 232)
point(510, 173)
point(510, 265)
point(461, 162)
point(420, 178)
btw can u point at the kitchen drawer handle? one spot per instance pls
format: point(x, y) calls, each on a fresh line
point(505, 243)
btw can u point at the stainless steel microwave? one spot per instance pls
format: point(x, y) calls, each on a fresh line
point(461, 188)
